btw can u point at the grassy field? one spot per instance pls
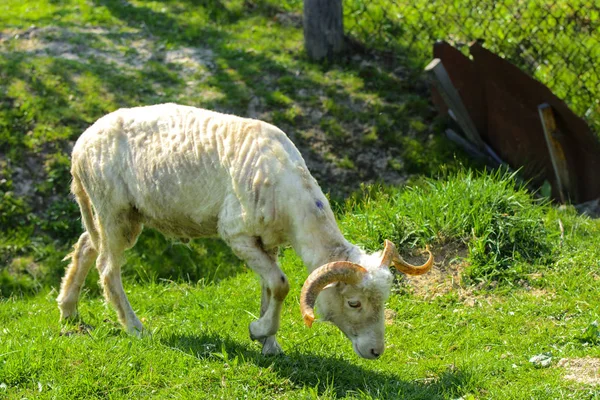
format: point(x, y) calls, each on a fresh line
point(508, 285)
point(515, 277)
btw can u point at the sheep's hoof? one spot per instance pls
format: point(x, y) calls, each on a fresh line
point(66, 318)
point(138, 331)
point(252, 335)
point(271, 347)
point(70, 319)
point(269, 342)
point(257, 332)
point(68, 311)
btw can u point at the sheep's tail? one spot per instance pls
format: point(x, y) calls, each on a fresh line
point(85, 205)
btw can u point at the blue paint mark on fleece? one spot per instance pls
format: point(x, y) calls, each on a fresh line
point(319, 204)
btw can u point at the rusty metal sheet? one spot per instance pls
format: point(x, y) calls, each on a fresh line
point(503, 102)
point(581, 147)
point(514, 130)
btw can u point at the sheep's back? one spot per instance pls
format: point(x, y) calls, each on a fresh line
point(175, 165)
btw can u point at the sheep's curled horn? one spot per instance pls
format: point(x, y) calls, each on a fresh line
point(338, 271)
point(351, 273)
point(391, 256)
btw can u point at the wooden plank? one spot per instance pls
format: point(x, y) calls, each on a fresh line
point(440, 78)
point(557, 154)
point(487, 155)
point(465, 144)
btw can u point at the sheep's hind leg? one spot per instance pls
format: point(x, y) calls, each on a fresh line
point(275, 288)
point(115, 239)
point(83, 256)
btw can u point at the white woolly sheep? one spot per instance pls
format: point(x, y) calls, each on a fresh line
point(191, 173)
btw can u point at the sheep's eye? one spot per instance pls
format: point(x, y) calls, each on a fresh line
point(354, 304)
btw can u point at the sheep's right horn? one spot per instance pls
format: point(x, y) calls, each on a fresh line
point(389, 252)
point(391, 256)
point(338, 271)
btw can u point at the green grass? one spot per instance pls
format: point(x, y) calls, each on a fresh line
point(471, 341)
point(525, 271)
point(63, 65)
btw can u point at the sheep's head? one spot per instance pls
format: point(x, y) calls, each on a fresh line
point(353, 297)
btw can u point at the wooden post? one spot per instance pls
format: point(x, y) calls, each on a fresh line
point(323, 28)
point(486, 155)
point(557, 155)
point(443, 84)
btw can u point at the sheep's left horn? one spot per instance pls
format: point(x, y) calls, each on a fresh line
point(391, 256)
point(338, 271)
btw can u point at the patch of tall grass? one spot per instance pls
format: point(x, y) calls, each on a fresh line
point(502, 224)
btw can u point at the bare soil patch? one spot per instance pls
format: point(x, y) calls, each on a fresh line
point(584, 370)
point(130, 49)
point(445, 274)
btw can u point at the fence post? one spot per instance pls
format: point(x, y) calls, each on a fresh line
point(323, 28)
point(456, 108)
point(557, 154)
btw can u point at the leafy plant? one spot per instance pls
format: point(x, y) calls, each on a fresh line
point(591, 334)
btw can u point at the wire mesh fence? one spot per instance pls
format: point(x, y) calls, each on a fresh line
point(556, 42)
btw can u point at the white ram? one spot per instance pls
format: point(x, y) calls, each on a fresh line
point(191, 173)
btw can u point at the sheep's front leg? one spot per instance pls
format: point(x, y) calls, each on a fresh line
point(275, 288)
point(270, 345)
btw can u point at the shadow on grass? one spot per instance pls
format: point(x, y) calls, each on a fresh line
point(154, 258)
point(238, 74)
point(243, 74)
point(326, 119)
point(326, 374)
point(49, 99)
